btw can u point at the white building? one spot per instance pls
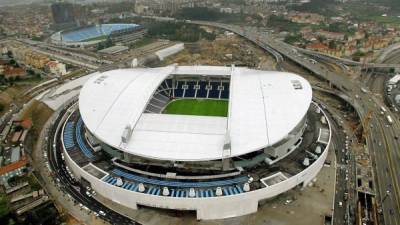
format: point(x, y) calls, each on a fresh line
point(394, 80)
point(56, 68)
point(226, 10)
point(219, 166)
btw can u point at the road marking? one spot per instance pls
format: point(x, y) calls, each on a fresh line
point(391, 168)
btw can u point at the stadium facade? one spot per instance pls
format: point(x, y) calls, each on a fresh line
point(91, 35)
point(118, 139)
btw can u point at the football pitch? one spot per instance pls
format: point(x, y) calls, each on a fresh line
point(198, 107)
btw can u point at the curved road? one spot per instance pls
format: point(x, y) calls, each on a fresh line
point(387, 156)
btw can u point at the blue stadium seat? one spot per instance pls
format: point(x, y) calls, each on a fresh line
point(214, 92)
point(225, 92)
point(68, 136)
point(202, 92)
point(169, 82)
point(190, 91)
point(179, 184)
point(178, 91)
point(82, 146)
point(95, 31)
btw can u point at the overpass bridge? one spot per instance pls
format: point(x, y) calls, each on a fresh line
point(362, 103)
point(349, 62)
point(280, 49)
point(274, 45)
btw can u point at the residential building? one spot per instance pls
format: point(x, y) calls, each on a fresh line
point(11, 72)
point(56, 68)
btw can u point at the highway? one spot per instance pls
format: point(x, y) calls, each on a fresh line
point(72, 58)
point(348, 62)
point(375, 82)
point(345, 190)
point(393, 57)
point(385, 155)
point(343, 168)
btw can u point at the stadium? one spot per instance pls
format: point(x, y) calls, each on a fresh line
point(214, 140)
point(91, 35)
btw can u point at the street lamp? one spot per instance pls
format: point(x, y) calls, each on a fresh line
point(386, 195)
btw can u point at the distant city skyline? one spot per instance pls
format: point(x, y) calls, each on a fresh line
point(22, 2)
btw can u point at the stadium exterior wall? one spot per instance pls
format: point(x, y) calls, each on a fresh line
point(126, 38)
point(71, 43)
point(280, 151)
point(206, 208)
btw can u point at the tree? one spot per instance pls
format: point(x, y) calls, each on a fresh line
point(2, 79)
point(108, 42)
point(291, 39)
point(179, 32)
point(11, 222)
point(4, 205)
point(282, 23)
point(316, 6)
point(321, 38)
point(199, 13)
point(18, 128)
point(332, 44)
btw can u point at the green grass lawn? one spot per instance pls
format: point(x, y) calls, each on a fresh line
point(198, 107)
point(381, 19)
point(102, 37)
point(387, 19)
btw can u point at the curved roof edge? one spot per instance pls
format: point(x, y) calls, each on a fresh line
point(264, 107)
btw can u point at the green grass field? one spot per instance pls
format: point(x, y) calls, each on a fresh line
point(198, 107)
point(102, 37)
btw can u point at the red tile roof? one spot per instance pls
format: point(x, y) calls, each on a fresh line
point(14, 71)
point(13, 166)
point(317, 46)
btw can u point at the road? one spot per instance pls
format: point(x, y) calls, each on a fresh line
point(393, 58)
point(375, 82)
point(345, 190)
point(348, 62)
point(341, 208)
point(362, 102)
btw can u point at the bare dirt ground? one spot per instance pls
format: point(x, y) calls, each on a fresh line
point(14, 94)
point(224, 51)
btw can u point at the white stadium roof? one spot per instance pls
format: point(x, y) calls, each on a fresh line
point(263, 108)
